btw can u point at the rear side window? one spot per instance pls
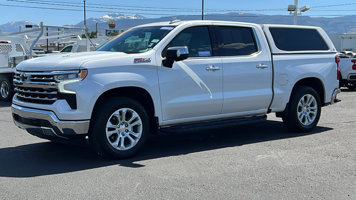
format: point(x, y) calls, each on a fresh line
point(298, 39)
point(235, 41)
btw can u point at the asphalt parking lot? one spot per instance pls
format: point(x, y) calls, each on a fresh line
point(260, 161)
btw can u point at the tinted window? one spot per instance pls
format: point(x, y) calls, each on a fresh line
point(197, 40)
point(297, 39)
point(235, 41)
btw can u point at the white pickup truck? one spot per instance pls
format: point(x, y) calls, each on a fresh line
point(177, 74)
point(348, 72)
point(80, 46)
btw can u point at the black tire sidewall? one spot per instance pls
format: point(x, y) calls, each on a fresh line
point(9, 97)
point(97, 133)
point(292, 120)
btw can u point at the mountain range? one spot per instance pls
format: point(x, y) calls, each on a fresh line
point(332, 25)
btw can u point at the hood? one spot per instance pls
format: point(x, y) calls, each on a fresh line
point(71, 61)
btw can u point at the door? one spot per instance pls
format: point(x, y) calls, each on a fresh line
point(247, 71)
point(192, 88)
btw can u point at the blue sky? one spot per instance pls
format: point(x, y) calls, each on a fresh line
point(13, 10)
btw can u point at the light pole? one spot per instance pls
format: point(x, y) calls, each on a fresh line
point(86, 28)
point(85, 17)
point(202, 10)
point(295, 12)
point(96, 30)
point(294, 8)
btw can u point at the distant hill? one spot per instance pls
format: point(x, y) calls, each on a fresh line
point(13, 26)
point(346, 24)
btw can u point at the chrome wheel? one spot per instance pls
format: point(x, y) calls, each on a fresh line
point(307, 109)
point(124, 129)
point(4, 89)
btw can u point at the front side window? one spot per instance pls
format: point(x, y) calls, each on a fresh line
point(235, 41)
point(197, 40)
point(137, 40)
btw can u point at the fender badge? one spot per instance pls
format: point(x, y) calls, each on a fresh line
point(142, 60)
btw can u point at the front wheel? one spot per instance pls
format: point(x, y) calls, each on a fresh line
point(120, 128)
point(303, 111)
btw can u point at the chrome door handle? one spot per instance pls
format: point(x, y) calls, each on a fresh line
point(261, 66)
point(212, 68)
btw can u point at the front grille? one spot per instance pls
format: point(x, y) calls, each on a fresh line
point(35, 87)
point(40, 88)
point(36, 95)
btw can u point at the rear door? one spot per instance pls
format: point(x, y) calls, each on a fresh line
point(247, 74)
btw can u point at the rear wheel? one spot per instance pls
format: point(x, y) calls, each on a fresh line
point(120, 129)
point(6, 90)
point(303, 111)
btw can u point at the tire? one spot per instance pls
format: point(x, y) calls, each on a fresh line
point(6, 90)
point(112, 136)
point(300, 116)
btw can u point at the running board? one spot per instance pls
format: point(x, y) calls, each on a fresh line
point(214, 124)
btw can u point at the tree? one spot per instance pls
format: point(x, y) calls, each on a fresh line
point(91, 35)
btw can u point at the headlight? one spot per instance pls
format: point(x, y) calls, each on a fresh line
point(72, 76)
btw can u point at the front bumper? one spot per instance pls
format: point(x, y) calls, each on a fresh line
point(46, 123)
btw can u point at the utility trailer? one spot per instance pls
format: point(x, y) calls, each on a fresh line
point(13, 50)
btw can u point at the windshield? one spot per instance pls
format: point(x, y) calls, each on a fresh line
point(137, 40)
point(67, 49)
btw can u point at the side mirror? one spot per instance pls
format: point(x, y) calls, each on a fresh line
point(175, 54)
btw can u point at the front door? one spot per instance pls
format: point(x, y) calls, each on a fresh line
point(192, 88)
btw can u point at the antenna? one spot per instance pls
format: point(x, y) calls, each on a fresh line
point(174, 20)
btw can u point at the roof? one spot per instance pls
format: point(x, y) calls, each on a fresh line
point(289, 26)
point(178, 22)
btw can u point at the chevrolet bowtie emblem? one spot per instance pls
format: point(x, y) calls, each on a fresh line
point(23, 77)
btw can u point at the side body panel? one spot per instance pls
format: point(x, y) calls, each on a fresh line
point(289, 69)
point(293, 66)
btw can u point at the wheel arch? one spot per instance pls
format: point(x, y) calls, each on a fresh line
point(137, 93)
point(314, 83)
